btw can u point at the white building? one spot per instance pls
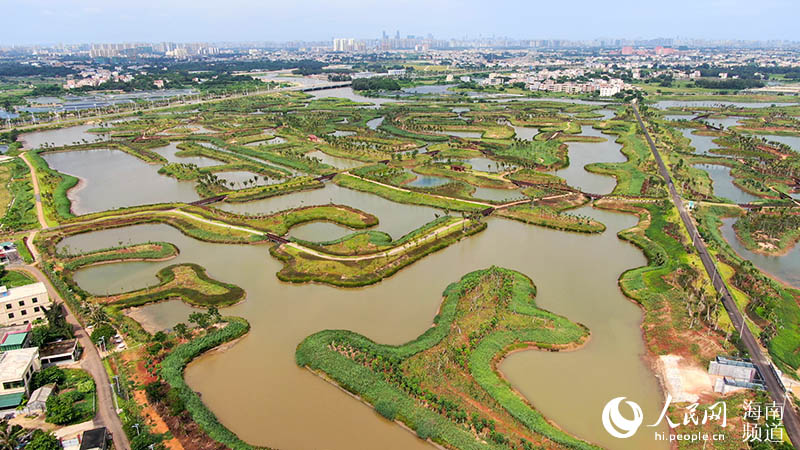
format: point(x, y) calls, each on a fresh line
point(16, 371)
point(23, 304)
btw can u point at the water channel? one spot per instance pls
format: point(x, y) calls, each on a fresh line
point(268, 400)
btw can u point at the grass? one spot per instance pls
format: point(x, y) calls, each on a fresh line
point(403, 196)
point(16, 197)
point(150, 251)
point(187, 282)
point(171, 370)
point(53, 187)
point(301, 266)
point(443, 384)
point(15, 278)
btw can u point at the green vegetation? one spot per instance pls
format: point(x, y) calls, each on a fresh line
point(404, 196)
point(376, 84)
point(150, 251)
point(14, 278)
point(187, 282)
point(172, 372)
point(16, 197)
point(770, 231)
point(303, 265)
point(53, 186)
point(444, 386)
point(75, 401)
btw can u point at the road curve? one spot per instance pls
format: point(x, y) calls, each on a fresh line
point(774, 386)
point(106, 413)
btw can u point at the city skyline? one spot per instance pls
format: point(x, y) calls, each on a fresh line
point(73, 21)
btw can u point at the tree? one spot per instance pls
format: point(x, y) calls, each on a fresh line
point(175, 403)
point(154, 391)
point(95, 314)
point(59, 410)
point(214, 314)
point(49, 375)
point(182, 330)
point(43, 441)
point(104, 331)
point(10, 435)
point(200, 319)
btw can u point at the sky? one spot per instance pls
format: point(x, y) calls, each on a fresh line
point(79, 21)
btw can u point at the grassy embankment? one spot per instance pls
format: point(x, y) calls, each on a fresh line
point(770, 305)
point(401, 195)
point(171, 370)
point(361, 267)
point(16, 197)
point(769, 232)
point(444, 384)
point(208, 224)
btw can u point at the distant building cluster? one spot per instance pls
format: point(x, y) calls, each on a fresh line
point(95, 77)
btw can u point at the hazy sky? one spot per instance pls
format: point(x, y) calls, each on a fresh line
point(72, 21)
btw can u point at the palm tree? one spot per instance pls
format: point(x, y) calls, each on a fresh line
point(10, 435)
point(95, 314)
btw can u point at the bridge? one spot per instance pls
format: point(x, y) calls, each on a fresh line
point(557, 187)
point(327, 86)
point(277, 239)
point(325, 177)
point(208, 201)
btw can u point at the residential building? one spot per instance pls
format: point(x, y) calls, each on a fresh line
point(66, 351)
point(16, 371)
point(15, 338)
point(23, 304)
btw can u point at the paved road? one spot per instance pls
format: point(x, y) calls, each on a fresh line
point(106, 412)
point(774, 386)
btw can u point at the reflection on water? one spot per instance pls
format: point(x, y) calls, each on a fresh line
point(583, 153)
point(702, 144)
point(723, 183)
point(375, 123)
point(664, 104)
point(112, 179)
point(60, 136)
point(335, 161)
point(200, 161)
point(785, 267)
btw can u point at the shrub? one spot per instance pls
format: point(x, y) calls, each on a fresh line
point(387, 409)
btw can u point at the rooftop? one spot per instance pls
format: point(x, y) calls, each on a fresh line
point(14, 339)
point(41, 394)
point(94, 438)
point(8, 401)
point(13, 363)
point(24, 291)
point(58, 348)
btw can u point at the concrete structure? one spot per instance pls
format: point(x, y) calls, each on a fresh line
point(9, 253)
point(15, 337)
point(24, 304)
point(96, 439)
point(38, 400)
point(16, 371)
point(62, 352)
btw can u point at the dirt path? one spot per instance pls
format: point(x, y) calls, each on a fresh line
point(36, 194)
point(106, 413)
point(390, 252)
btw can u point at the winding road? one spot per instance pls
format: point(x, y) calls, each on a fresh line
point(764, 365)
point(91, 362)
